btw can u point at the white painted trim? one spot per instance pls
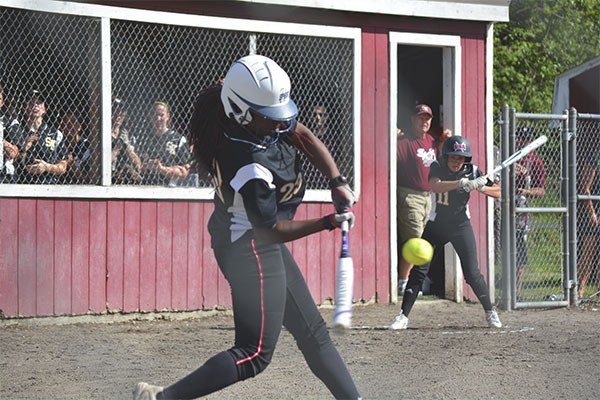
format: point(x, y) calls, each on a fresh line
point(106, 93)
point(107, 192)
point(357, 111)
point(105, 13)
point(489, 155)
point(394, 256)
point(452, 82)
point(481, 10)
point(453, 275)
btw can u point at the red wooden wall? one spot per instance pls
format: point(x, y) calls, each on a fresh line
point(67, 256)
point(62, 257)
point(473, 128)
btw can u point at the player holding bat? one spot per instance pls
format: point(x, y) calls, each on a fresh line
point(246, 135)
point(452, 179)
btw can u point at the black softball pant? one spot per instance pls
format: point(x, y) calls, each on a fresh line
point(463, 239)
point(268, 291)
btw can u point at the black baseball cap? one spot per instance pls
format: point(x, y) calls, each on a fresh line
point(37, 95)
point(118, 104)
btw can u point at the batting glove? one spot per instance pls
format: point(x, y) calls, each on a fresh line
point(333, 221)
point(481, 183)
point(341, 195)
point(466, 185)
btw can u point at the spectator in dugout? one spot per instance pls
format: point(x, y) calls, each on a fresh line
point(78, 147)
point(126, 165)
point(43, 157)
point(165, 152)
point(9, 131)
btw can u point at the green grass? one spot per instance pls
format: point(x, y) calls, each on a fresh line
point(544, 273)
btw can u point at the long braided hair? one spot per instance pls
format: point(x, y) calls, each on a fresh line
point(206, 127)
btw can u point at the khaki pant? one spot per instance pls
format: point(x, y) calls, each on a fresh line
point(412, 213)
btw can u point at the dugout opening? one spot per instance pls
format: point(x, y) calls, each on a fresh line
point(420, 80)
point(425, 69)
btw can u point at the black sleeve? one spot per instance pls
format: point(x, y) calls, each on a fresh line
point(260, 202)
point(435, 171)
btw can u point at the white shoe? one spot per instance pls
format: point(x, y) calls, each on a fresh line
point(492, 319)
point(144, 391)
point(401, 322)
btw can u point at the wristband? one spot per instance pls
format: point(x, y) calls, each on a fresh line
point(327, 223)
point(337, 182)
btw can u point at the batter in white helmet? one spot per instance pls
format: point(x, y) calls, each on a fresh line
point(246, 135)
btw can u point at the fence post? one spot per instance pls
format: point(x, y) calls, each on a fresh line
point(566, 199)
point(572, 209)
point(506, 301)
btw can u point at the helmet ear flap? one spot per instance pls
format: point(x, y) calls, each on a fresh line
point(234, 107)
point(242, 117)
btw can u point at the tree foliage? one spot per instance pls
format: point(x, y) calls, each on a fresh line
point(543, 39)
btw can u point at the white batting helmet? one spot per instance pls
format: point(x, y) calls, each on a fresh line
point(257, 83)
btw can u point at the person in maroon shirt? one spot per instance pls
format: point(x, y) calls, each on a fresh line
point(416, 151)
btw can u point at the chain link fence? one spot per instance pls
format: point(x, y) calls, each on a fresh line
point(546, 227)
point(155, 72)
point(588, 207)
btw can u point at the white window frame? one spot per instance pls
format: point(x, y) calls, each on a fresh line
point(106, 13)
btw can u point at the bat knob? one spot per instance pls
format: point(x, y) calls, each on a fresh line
point(342, 321)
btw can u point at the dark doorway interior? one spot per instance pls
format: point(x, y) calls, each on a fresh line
point(420, 80)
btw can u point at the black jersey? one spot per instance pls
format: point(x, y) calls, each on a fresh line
point(49, 147)
point(170, 148)
point(451, 207)
point(254, 185)
point(80, 154)
point(11, 130)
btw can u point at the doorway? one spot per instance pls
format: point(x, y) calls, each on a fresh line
point(424, 69)
point(419, 82)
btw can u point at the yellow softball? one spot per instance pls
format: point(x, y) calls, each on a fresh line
point(417, 251)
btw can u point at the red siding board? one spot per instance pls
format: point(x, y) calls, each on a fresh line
point(80, 257)
point(131, 255)
point(26, 265)
point(62, 241)
point(210, 271)
point(98, 256)
point(328, 258)
point(148, 226)
point(300, 246)
point(473, 128)
point(164, 255)
point(380, 210)
point(314, 262)
point(115, 248)
point(180, 256)
point(195, 240)
point(9, 220)
point(362, 238)
point(44, 261)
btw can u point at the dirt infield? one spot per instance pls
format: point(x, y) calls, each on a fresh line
point(447, 353)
